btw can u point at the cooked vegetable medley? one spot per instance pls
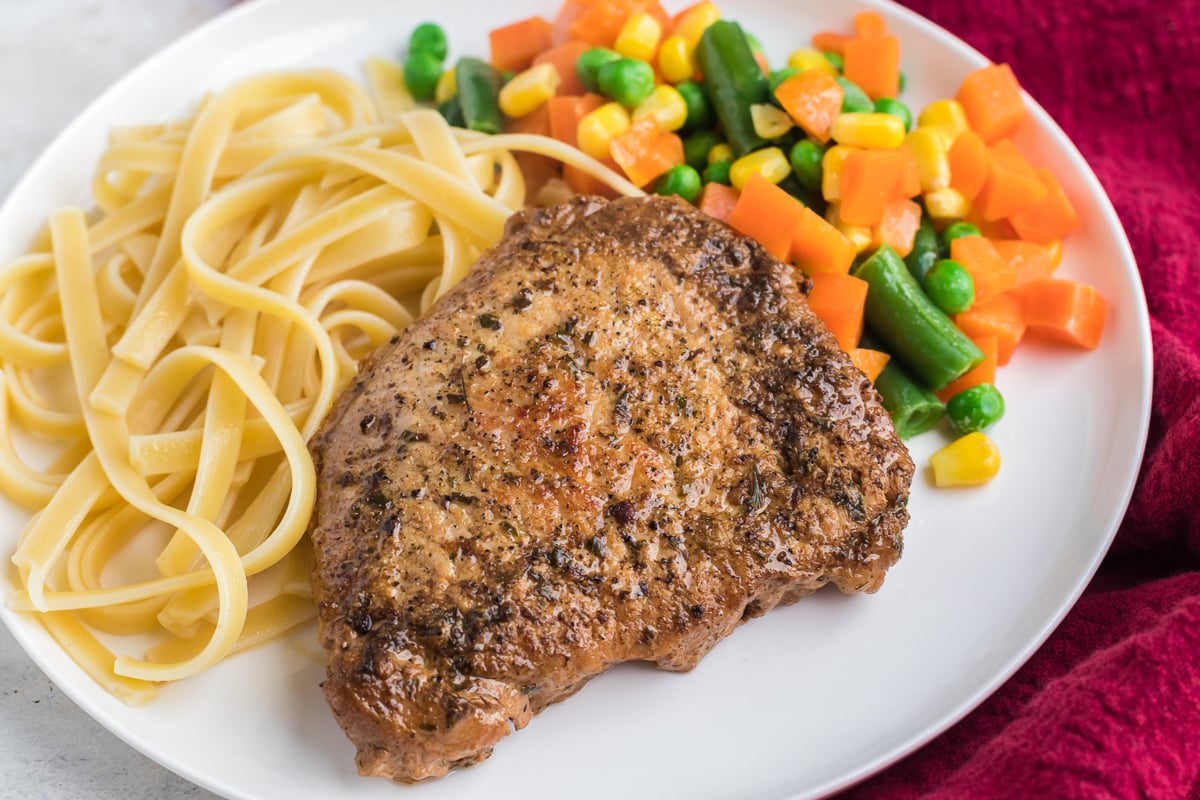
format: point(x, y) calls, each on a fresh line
point(930, 240)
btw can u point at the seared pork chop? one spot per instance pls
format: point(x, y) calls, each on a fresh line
point(620, 436)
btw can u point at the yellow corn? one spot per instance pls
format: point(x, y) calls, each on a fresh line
point(883, 131)
point(945, 114)
point(933, 164)
point(971, 460)
point(807, 58)
point(529, 90)
point(720, 152)
point(946, 205)
point(770, 162)
point(831, 171)
point(1055, 249)
point(639, 37)
point(666, 105)
point(598, 128)
point(859, 235)
point(769, 121)
point(447, 86)
point(696, 21)
point(676, 60)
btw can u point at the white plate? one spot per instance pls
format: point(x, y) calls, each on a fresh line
point(799, 703)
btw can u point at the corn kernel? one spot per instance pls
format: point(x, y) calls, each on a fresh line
point(883, 131)
point(1055, 249)
point(598, 128)
point(945, 114)
point(769, 121)
point(639, 37)
point(720, 152)
point(696, 21)
point(946, 205)
point(770, 162)
point(972, 460)
point(529, 90)
point(447, 86)
point(676, 60)
point(859, 235)
point(807, 58)
point(933, 163)
point(666, 105)
point(831, 171)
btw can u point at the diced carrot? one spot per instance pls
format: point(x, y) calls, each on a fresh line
point(568, 12)
point(910, 177)
point(869, 23)
point(813, 99)
point(839, 300)
point(870, 179)
point(583, 183)
point(991, 228)
point(565, 113)
point(830, 41)
point(646, 151)
point(1065, 311)
point(536, 121)
point(1031, 261)
point(1051, 219)
point(869, 362)
point(983, 372)
point(767, 214)
point(991, 273)
point(1012, 185)
point(898, 227)
point(601, 21)
point(992, 99)
point(717, 200)
point(969, 164)
point(537, 171)
point(514, 46)
point(820, 247)
point(1002, 317)
point(563, 57)
point(873, 63)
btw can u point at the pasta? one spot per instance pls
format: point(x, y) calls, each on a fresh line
point(204, 316)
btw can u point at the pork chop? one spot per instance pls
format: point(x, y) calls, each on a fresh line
point(620, 436)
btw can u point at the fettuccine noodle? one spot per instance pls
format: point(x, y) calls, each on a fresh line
point(203, 318)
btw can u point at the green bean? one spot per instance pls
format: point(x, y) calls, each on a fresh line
point(451, 109)
point(854, 99)
point(914, 408)
point(734, 82)
point(835, 59)
point(926, 250)
point(478, 94)
point(911, 326)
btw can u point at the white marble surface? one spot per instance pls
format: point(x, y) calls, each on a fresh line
point(56, 56)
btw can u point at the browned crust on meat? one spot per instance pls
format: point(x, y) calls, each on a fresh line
point(620, 436)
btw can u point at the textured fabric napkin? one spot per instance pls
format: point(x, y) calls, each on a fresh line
point(1110, 705)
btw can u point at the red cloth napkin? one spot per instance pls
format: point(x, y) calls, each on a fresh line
point(1110, 705)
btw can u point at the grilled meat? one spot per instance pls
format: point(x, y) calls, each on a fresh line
point(620, 436)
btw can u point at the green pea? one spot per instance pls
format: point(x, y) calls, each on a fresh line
point(696, 147)
point(428, 37)
point(950, 286)
point(699, 109)
point(805, 157)
point(780, 75)
point(422, 70)
point(681, 180)
point(854, 99)
point(590, 62)
point(718, 172)
point(836, 60)
point(626, 80)
point(886, 105)
point(957, 230)
point(975, 409)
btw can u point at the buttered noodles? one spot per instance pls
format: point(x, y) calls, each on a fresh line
point(178, 346)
